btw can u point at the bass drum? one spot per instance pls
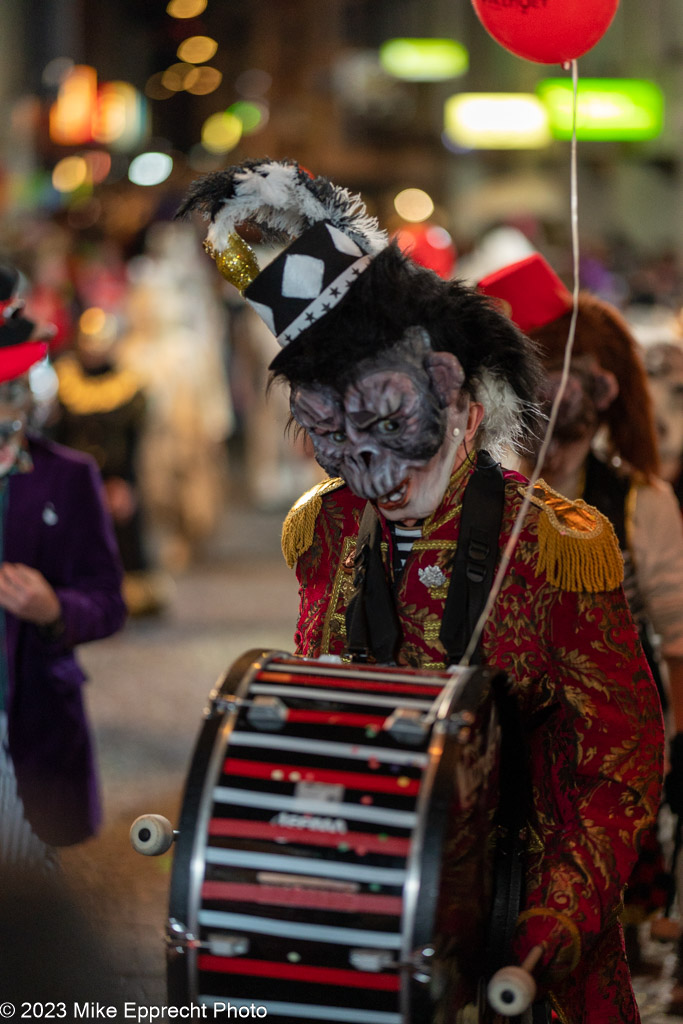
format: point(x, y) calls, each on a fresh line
point(335, 844)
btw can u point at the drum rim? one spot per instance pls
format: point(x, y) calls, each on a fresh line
point(415, 868)
point(413, 884)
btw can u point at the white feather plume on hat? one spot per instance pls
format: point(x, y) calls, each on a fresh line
point(282, 200)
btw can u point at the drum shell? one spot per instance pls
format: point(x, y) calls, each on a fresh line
point(336, 851)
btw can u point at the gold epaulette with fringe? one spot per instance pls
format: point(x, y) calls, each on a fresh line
point(577, 547)
point(299, 526)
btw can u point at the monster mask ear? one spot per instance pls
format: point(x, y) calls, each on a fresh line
point(606, 389)
point(447, 376)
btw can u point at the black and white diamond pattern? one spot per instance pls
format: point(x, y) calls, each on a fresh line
point(306, 280)
point(302, 277)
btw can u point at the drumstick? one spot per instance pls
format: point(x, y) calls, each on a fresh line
point(512, 990)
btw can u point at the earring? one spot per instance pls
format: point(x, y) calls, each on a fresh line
point(456, 431)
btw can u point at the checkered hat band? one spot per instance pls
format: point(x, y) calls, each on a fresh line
point(306, 280)
point(325, 301)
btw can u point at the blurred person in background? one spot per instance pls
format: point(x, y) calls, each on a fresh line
point(604, 451)
point(663, 358)
point(60, 586)
point(175, 344)
point(101, 410)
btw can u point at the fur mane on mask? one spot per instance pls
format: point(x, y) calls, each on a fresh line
point(395, 294)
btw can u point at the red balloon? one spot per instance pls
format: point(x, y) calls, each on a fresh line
point(546, 31)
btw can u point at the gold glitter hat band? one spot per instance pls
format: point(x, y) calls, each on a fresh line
point(236, 262)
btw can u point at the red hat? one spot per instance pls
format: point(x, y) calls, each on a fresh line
point(17, 352)
point(530, 291)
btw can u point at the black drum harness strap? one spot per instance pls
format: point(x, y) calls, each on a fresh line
point(371, 620)
point(373, 630)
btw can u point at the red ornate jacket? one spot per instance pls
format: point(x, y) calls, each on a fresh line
point(561, 630)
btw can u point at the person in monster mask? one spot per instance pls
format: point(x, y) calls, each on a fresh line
point(409, 388)
point(604, 450)
point(60, 585)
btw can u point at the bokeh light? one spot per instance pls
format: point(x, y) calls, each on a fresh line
point(120, 115)
point(253, 83)
point(607, 109)
point(185, 8)
point(197, 49)
point(71, 115)
point(424, 60)
point(221, 132)
point(155, 88)
point(208, 79)
point(179, 76)
point(150, 168)
point(414, 204)
point(70, 174)
point(99, 165)
point(92, 320)
point(252, 115)
point(496, 121)
point(56, 71)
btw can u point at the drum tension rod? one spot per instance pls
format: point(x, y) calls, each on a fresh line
point(269, 713)
point(407, 725)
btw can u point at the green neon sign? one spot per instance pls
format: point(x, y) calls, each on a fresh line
point(607, 109)
point(424, 60)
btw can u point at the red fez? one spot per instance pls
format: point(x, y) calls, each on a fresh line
point(530, 292)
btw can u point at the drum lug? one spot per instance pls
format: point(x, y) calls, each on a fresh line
point(220, 944)
point(178, 938)
point(407, 725)
point(268, 713)
point(371, 960)
point(221, 703)
point(422, 964)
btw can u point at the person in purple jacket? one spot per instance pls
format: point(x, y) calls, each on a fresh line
point(60, 586)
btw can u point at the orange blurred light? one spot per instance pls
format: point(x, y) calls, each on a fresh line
point(92, 320)
point(71, 115)
point(119, 118)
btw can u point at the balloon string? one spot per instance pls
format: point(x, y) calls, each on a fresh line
point(443, 699)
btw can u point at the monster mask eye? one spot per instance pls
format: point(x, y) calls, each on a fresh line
point(388, 425)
